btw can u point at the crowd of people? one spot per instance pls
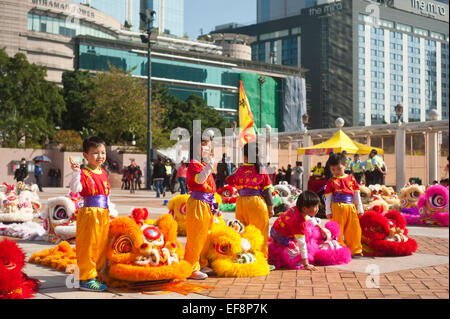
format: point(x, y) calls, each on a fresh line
point(372, 171)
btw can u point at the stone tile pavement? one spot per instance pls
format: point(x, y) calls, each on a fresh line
point(421, 276)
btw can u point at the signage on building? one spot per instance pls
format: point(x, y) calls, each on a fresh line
point(325, 9)
point(428, 8)
point(70, 8)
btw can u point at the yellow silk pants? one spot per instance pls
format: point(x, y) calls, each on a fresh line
point(347, 218)
point(91, 240)
point(199, 219)
point(252, 210)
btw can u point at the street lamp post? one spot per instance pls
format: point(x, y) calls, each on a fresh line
point(147, 17)
point(261, 81)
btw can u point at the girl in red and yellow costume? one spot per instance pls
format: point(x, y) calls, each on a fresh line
point(200, 207)
point(343, 204)
point(93, 185)
point(254, 206)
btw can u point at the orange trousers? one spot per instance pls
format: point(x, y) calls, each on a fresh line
point(91, 240)
point(199, 219)
point(347, 218)
point(252, 210)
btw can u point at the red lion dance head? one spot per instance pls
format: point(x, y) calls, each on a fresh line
point(14, 284)
point(385, 234)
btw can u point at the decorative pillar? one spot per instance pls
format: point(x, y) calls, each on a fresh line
point(400, 150)
point(432, 157)
point(307, 141)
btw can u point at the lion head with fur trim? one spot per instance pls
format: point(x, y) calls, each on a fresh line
point(410, 194)
point(235, 250)
point(144, 253)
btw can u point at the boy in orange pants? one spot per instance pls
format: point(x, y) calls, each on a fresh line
point(93, 185)
point(343, 204)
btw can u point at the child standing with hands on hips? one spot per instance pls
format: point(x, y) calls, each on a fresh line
point(200, 207)
point(343, 204)
point(92, 183)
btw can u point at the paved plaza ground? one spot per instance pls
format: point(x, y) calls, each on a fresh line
point(423, 275)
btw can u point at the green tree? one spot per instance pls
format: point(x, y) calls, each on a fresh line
point(121, 110)
point(79, 104)
point(183, 113)
point(30, 106)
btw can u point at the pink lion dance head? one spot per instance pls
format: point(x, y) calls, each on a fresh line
point(433, 206)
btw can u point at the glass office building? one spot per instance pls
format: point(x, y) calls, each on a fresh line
point(121, 10)
point(169, 16)
point(360, 66)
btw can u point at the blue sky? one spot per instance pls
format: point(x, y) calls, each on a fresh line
point(206, 14)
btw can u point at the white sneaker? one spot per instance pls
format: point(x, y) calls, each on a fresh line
point(198, 275)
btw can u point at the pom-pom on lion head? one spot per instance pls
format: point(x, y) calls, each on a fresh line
point(410, 194)
point(14, 284)
point(235, 250)
point(433, 206)
point(385, 234)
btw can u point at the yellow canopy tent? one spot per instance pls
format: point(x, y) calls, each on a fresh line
point(338, 143)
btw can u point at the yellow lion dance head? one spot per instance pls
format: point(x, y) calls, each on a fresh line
point(235, 250)
point(135, 253)
point(410, 194)
point(177, 208)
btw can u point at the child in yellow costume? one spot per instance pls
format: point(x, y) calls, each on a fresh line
point(92, 183)
point(200, 207)
point(254, 206)
point(343, 204)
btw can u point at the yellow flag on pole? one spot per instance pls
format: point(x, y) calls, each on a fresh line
point(247, 129)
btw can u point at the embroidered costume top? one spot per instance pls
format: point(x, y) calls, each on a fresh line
point(291, 223)
point(345, 184)
point(247, 177)
point(94, 182)
point(194, 168)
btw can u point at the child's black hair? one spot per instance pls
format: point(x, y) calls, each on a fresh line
point(253, 148)
point(92, 141)
point(307, 199)
point(336, 159)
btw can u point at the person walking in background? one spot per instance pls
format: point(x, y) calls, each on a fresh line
point(181, 177)
point(38, 172)
point(168, 176)
point(222, 172)
point(124, 178)
point(138, 177)
point(279, 177)
point(348, 162)
point(357, 168)
point(159, 176)
point(22, 171)
point(297, 175)
point(288, 174)
point(132, 173)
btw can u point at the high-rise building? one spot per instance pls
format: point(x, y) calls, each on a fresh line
point(364, 58)
point(121, 10)
point(268, 10)
point(169, 16)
